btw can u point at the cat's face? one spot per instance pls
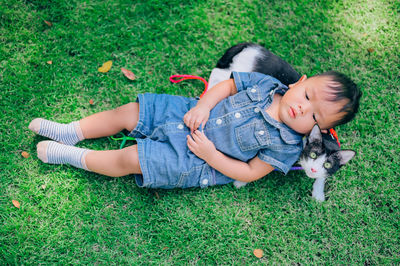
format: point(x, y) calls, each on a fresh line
point(321, 159)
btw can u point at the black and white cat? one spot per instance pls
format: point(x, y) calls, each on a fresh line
point(250, 57)
point(321, 156)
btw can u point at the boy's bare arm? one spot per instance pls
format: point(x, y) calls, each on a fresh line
point(201, 112)
point(218, 93)
point(238, 170)
point(255, 169)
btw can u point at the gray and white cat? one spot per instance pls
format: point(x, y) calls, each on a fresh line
point(321, 156)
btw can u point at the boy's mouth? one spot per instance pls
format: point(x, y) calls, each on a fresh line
point(292, 112)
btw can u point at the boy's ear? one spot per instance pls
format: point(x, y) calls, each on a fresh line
point(303, 78)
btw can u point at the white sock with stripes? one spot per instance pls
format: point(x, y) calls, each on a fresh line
point(56, 153)
point(69, 134)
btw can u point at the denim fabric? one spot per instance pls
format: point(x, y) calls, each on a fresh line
point(238, 126)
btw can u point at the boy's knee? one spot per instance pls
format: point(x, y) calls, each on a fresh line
point(129, 115)
point(130, 159)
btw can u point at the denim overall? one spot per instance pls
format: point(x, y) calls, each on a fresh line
point(238, 126)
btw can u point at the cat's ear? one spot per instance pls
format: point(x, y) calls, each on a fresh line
point(315, 134)
point(346, 155)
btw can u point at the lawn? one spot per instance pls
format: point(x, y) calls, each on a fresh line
point(69, 216)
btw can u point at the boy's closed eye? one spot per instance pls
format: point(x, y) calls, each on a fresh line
point(313, 116)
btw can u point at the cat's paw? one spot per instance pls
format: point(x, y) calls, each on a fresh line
point(318, 196)
point(239, 184)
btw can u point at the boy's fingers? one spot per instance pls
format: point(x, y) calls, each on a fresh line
point(195, 136)
point(186, 117)
point(200, 134)
point(204, 122)
point(197, 125)
point(190, 146)
point(190, 141)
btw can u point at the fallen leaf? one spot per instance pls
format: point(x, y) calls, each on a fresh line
point(164, 248)
point(25, 154)
point(48, 23)
point(16, 203)
point(49, 62)
point(128, 73)
point(91, 102)
point(258, 253)
point(105, 67)
point(370, 50)
point(157, 196)
point(43, 186)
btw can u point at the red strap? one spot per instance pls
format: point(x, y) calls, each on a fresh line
point(335, 135)
point(185, 77)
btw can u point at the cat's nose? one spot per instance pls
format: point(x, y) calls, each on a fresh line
point(313, 170)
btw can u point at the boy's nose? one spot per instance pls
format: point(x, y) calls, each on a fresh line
point(303, 108)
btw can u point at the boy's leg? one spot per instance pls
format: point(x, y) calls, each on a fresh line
point(98, 125)
point(110, 122)
point(113, 163)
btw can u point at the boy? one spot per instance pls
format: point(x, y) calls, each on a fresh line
point(249, 125)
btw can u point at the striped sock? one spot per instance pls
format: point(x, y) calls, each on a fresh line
point(55, 153)
point(68, 134)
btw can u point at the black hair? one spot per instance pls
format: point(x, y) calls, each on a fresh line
point(344, 88)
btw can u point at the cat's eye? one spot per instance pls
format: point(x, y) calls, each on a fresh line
point(313, 155)
point(327, 165)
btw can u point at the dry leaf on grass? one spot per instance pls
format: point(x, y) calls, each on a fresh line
point(258, 253)
point(49, 62)
point(91, 102)
point(105, 67)
point(16, 203)
point(25, 154)
point(370, 50)
point(48, 23)
point(128, 73)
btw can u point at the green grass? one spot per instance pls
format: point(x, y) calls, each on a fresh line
point(84, 218)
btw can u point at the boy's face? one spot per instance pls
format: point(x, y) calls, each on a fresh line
point(306, 104)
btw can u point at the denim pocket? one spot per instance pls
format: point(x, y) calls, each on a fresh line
point(252, 136)
point(197, 176)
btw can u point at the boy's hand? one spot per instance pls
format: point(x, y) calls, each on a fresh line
point(200, 145)
point(196, 116)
